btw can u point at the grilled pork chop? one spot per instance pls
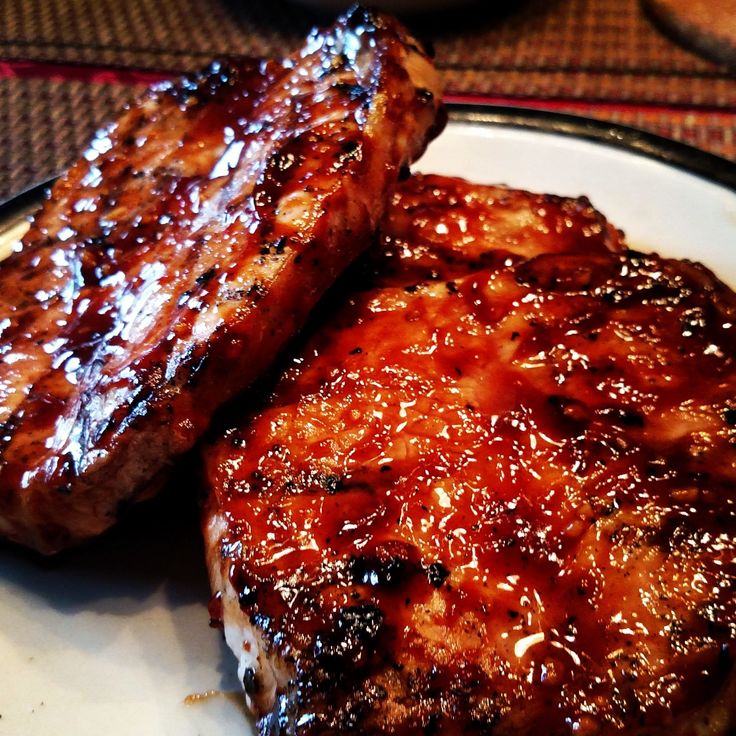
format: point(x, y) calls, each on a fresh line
point(176, 257)
point(495, 492)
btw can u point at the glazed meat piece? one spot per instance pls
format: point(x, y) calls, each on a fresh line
point(173, 261)
point(496, 495)
point(493, 493)
point(441, 227)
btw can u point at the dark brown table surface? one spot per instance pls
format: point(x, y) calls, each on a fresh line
point(66, 66)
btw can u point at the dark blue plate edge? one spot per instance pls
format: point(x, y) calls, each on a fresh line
point(24, 202)
point(673, 153)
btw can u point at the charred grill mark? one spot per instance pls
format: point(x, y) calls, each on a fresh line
point(625, 417)
point(725, 659)
point(247, 596)
point(437, 573)
point(262, 621)
point(354, 91)
point(571, 411)
point(374, 571)
point(350, 151)
point(256, 291)
point(329, 482)
point(274, 247)
point(251, 682)
point(351, 639)
point(313, 481)
point(8, 429)
point(238, 295)
point(205, 277)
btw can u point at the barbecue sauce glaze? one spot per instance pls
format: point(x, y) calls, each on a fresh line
point(173, 261)
point(494, 492)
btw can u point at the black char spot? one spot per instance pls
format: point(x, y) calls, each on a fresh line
point(372, 571)
point(251, 684)
point(354, 629)
point(203, 278)
point(437, 573)
point(247, 596)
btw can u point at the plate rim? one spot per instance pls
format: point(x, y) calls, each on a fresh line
point(682, 156)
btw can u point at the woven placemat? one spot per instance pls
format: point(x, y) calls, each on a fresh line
point(45, 125)
point(605, 50)
point(602, 58)
point(711, 131)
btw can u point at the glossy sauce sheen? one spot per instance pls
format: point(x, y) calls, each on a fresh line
point(176, 257)
point(494, 493)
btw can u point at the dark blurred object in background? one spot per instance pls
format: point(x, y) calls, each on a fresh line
point(706, 26)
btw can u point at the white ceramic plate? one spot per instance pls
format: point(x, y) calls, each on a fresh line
point(112, 639)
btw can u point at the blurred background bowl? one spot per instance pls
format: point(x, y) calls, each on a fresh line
point(392, 6)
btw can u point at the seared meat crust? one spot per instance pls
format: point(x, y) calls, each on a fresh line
point(172, 262)
point(495, 492)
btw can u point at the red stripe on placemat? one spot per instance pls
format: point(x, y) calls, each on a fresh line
point(96, 74)
point(80, 72)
